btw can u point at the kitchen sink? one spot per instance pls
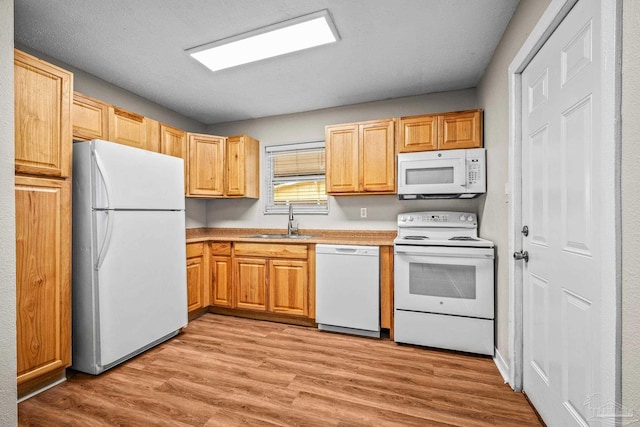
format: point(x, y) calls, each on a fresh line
point(280, 236)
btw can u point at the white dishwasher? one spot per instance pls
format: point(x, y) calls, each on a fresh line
point(348, 289)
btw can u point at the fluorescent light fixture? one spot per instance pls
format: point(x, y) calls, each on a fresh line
point(285, 37)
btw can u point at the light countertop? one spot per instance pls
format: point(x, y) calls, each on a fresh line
point(319, 236)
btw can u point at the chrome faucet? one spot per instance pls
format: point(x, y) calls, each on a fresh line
point(291, 229)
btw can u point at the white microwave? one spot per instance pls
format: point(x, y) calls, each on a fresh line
point(446, 174)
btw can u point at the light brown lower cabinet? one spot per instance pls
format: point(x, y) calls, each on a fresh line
point(273, 285)
point(386, 288)
point(221, 274)
point(273, 279)
point(43, 281)
point(288, 281)
point(250, 282)
point(196, 271)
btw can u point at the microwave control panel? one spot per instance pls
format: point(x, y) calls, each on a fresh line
point(474, 171)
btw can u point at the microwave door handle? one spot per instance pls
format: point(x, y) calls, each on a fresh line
point(460, 172)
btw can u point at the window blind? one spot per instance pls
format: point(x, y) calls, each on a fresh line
point(296, 175)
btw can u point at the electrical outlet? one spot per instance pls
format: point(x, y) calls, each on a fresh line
point(363, 212)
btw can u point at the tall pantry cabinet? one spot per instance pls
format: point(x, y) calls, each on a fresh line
point(43, 149)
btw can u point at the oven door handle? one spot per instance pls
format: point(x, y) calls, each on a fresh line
point(442, 255)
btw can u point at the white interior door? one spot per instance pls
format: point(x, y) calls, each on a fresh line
point(561, 205)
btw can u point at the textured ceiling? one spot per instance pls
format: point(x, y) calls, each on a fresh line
point(388, 49)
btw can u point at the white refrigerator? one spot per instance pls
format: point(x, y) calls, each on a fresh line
point(129, 257)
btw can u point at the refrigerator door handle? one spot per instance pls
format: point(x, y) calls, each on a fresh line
point(107, 240)
point(104, 178)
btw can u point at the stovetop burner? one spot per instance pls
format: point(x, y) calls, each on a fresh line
point(464, 238)
point(416, 237)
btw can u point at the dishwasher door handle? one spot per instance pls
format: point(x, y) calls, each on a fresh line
point(346, 250)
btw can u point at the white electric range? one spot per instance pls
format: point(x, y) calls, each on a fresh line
point(444, 282)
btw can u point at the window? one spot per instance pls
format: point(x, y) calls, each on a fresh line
point(295, 175)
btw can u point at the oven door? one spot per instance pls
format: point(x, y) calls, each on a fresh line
point(444, 280)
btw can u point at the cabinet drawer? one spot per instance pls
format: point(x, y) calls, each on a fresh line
point(195, 249)
point(220, 248)
point(271, 250)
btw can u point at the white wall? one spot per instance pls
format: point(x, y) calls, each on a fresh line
point(493, 96)
point(8, 408)
point(631, 206)
point(195, 213)
point(309, 126)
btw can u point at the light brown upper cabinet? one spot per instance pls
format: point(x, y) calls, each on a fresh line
point(223, 167)
point(361, 158)
point(418, 133)
point(206, 165)
point(133, 129)
point(243, 167)
point(460, 129)
point(174, 143)
point(42, 95)
point(90, 118)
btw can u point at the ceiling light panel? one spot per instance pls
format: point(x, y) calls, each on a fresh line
point(285, 37)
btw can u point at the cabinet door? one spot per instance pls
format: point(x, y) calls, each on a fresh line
point(386, 287)
point(43, 277)
point(250, 283)
point(460, 130)
point(418, 133)
point(221, 283)
point(288, 282)
point(90, 118)
point(174, 143)
point(42, 96)
point(377, 157)
point(242, 167)
point(195, 281)
point(206, 165)
point(235, 166)
point(128, 128)
point(342, 168)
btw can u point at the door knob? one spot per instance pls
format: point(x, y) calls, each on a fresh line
point(521, 255)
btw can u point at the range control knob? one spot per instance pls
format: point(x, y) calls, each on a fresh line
point(470, 218)
point(463, 218)
point(410, 219)
point(403, 218)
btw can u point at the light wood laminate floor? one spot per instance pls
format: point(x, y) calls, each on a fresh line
point(227, 371)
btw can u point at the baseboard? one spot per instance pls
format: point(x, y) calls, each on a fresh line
point(40, 390)
point(503, 368)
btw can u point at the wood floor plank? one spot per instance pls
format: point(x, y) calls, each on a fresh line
point(356, 414)
point(227, 371)
point(417, 407)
